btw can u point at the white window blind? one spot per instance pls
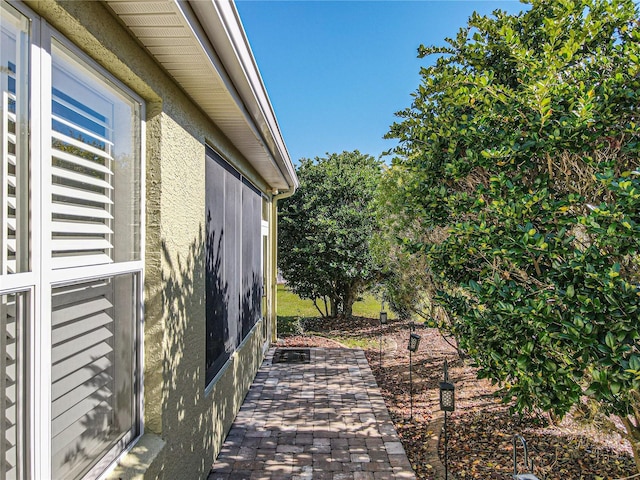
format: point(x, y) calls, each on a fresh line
point(82, 190)
point(9, 203)
point(93, 370)
point(14, 244)
point(11, 321)
point(81, 373)
point(13, 146)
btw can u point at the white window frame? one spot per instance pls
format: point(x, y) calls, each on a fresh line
point(39, 281)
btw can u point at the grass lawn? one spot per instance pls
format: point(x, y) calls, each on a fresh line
point(292, 310)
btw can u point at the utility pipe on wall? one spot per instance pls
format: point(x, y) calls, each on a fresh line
point(273, 234)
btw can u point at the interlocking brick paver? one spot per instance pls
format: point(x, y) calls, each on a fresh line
point(319, 420)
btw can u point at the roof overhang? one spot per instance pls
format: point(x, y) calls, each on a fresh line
point(203, 46)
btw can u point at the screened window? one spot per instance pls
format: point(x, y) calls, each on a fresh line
point(233, 261)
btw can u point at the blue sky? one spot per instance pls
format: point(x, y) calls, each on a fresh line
point(337, 71)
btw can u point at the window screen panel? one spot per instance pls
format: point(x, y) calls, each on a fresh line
point(233, 257)
point(217, 291)
point(251, 261)
point(234, 270)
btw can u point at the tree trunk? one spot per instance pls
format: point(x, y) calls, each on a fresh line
point(332, 307)
point(635, 448)
point(348, 304)
point(633, 436)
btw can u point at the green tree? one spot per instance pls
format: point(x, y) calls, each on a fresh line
point(519, 158)
point(407, 283)
point(325, 231)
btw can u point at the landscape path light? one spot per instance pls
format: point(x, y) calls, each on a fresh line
point(414, 343)
point(447, 404)
point(383, 321)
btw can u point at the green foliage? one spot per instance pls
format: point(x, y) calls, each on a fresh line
point(518, 165)
point(325, 231)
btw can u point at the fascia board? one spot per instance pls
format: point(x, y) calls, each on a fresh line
point(231, 54)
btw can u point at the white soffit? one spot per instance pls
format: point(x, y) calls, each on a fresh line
point(202, 45)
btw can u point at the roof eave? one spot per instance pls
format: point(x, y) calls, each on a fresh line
point(222, 25)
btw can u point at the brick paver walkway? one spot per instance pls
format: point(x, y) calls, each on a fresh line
point(319, 420)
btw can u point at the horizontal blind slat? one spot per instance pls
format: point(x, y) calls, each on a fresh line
point(69, 400)
point(80, 227)
point(79, 410)
point(74, 432)
point(82, 162)
point(64, 385)
point(76, 293)
point(63, 351)
point(80, 145)
point(84, 131)
point(80, 261)
point(74, 362)
point(79, 244)
point(74, 329)
point(95, 305)
point(78, 177)
point(79, 194)
point(79, 211)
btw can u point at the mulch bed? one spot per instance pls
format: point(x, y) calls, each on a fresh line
point(481, 429)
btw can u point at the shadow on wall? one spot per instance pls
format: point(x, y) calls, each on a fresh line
point(195, 423)
point(217, 304)
point(187, 423)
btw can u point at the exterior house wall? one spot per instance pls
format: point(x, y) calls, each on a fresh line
point(184, 423)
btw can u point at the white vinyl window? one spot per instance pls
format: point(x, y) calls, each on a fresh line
point(14, 310)
point(71, 250)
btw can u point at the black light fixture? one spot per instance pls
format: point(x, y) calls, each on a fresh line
point(383, 316)
point(414, 342)
point(447, 397)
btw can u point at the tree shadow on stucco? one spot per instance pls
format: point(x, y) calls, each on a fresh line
point(187, 423)
point(195, 299)
point(217, 305)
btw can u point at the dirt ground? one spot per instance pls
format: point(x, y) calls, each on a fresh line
point(481, 429)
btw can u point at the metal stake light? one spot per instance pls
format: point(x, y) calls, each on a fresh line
point(414, 342)
point(447, 404)
point(383, 321)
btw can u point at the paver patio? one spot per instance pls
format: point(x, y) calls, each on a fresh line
point(319, 420)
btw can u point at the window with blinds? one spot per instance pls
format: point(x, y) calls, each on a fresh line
point(82, 190)
point(233, 261)
point(14, 238)
point(93, 371)
point(92, 144)
point(12, 315)
point(13, 147)
point(78, 208)
point(95, 220)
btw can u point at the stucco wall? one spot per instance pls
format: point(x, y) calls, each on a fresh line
point(184, 425)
